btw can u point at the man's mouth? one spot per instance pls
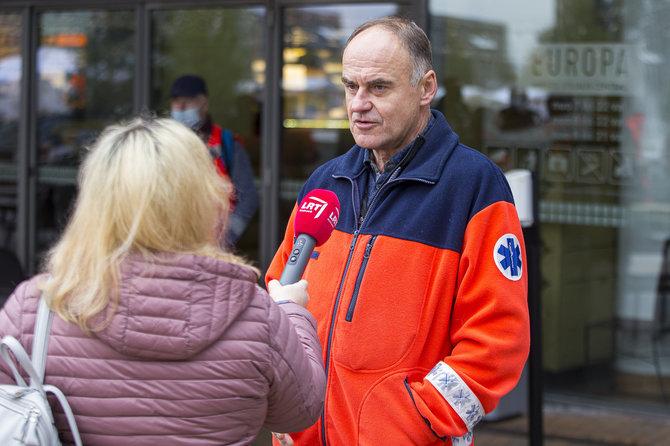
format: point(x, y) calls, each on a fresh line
point(362, 123)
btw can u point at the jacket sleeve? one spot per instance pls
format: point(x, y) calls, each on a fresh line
point(242, 177)
point(298, 385)
point(489, 331)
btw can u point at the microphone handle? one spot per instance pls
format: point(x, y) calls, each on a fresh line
point(297, 261)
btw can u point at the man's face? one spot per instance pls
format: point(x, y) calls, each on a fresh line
point(199, 102)
point(383, 107)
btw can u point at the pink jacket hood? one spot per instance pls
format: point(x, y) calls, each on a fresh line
point(176, 308)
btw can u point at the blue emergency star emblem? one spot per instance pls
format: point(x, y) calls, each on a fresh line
point(507, 257)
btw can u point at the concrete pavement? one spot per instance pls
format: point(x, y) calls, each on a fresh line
point(577, 421)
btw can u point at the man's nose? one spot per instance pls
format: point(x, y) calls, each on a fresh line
point(360, 102)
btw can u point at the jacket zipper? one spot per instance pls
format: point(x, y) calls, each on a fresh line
point(330, 332)
point(360, 220)
point(359, 278)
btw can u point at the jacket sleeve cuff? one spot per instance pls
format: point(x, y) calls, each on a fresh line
point(466, 409)
point(457, 394)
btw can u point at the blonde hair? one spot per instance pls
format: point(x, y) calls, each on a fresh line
point(147, 186)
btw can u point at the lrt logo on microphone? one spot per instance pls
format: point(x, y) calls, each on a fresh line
point(333, 217)
point(507, 257)
point(314, 206)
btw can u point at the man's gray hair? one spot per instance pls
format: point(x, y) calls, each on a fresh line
point(411, 37)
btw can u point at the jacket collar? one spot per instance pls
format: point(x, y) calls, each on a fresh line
point(427, 163)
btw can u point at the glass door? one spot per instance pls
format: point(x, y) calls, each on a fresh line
point(85, 65)
point(11, 61)
point(223, 46)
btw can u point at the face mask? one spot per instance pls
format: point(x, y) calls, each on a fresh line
point(188, 117)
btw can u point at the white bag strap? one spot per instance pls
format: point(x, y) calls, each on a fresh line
point(41, 339)
point(34, 368)
point(9, 343)
point(39, 361)
point(68, 412)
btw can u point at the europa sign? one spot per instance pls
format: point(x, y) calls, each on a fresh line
point(583, 68)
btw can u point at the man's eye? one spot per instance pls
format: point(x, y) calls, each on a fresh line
point(350, 87)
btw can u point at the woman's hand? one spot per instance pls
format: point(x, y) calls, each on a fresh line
point(296, 292)
point(283, 439)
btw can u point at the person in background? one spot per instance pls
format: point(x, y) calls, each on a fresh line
point(189, 104)
point(160, 336)
point(420, 292)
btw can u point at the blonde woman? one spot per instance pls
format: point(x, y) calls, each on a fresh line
point(160, 337)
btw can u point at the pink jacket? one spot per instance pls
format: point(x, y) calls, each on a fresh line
point(196, 354)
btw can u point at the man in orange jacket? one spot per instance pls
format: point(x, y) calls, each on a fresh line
point(420, 292)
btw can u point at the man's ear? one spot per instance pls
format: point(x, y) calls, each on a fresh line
point(428, 87)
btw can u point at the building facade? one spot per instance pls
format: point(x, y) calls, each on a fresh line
point(574, 91)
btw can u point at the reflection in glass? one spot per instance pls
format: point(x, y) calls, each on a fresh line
point(225, 47)
point(10, 87)
point(85, 71)
point(576, 92)
point(315, 124)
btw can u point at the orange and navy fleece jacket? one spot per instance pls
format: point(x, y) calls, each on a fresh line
point(421, 305)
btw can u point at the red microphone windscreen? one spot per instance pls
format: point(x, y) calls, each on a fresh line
point(317, 215)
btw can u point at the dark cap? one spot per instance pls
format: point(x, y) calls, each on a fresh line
point(188, 85)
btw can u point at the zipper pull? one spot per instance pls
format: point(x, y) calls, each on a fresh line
point(353, 241)
point(368, 248)
point(29, 428)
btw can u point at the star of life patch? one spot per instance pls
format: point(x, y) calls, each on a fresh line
point(507, 257)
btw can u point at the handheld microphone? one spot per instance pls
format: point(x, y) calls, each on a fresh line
point(314, 222)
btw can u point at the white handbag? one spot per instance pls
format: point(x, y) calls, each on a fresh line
point(24, 409)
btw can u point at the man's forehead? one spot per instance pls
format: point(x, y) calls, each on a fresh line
point(386, 71)
point(374, 53)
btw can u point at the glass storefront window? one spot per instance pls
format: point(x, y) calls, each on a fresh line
point(225, 47)
point(10, 87)
point(576, 92)
point(85, 70)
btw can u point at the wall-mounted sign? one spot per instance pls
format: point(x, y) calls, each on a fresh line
point(587, 69)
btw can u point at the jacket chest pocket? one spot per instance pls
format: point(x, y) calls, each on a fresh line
point(378, 322)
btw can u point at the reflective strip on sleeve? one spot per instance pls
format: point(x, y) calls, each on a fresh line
point(457, 394)
point(465, 440)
